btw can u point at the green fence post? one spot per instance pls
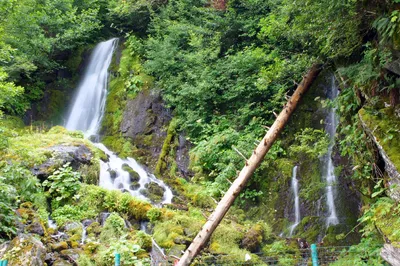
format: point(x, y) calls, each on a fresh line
point(314, 255)
point(117, 259)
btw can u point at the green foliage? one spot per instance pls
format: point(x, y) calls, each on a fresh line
point(7, 205)
point(312, 143)
point(10, 96)
point(324, 28)
point(18, 185)
point(128, 251)
point(154, 214)
point(63, 184)
point(367, 252)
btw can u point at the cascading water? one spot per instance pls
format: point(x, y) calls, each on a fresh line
point(88, 106)
point(295, 190)
point(86, 114)
point(329, 173)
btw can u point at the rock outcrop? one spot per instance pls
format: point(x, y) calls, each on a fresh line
point(390, 168)
point(145, 121)
point(61, 154)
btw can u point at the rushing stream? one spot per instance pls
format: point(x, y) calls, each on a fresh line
point(295, 190)
point(86, 114)
point(329, 173)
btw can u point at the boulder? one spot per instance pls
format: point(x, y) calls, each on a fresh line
point(26, 250)
point(35, 228)
point(61, 154)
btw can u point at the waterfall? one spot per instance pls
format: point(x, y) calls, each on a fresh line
point(329, 173)
point(86, 114)
point(89, 103)
point(295, 190)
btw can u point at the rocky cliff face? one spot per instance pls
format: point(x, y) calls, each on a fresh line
point(145, 121)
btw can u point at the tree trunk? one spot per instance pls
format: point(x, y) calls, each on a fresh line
point(251, 165)
point(391, 254)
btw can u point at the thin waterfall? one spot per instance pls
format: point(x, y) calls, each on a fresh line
point(86, 114)
point(295, 190)
point(329, 169)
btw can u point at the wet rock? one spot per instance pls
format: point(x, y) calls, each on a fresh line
point(35, 228)
point(133, 175)
point(103, 217)
point(59, 246)
point(61, 154)
point(87, 222)
point(113, 173)
point(134, 185)
point(25, 249)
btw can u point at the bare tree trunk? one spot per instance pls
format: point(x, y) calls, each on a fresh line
point(251, 165)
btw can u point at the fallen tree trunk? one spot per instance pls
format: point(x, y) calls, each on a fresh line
point(251, 165)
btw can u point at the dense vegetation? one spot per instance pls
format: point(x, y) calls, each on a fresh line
point(223, 68)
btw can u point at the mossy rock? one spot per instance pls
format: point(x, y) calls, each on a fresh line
point(134, 185)
point(133, 175)
point(153, 191)
point(93, 230)
point(59, 246)
point(25, 249)
point(253, 238)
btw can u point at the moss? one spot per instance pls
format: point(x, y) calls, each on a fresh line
point(119, 144)
point(113, 228)
point(177, 226)
point(162, 159)
point(385, 126)
point(309, 228)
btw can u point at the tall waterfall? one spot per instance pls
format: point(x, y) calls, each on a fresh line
point(86, 113)
point(329, 173)
point(295, 190)
point(89, 103)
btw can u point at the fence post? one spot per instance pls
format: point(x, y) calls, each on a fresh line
point(314, 255)
point(117, 259)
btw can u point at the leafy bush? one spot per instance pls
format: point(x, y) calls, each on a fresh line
point(63, 184)
point(7, 207)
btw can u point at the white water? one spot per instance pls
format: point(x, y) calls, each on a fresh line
point(329, 175)
point(86, 114)
point(295, 190)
